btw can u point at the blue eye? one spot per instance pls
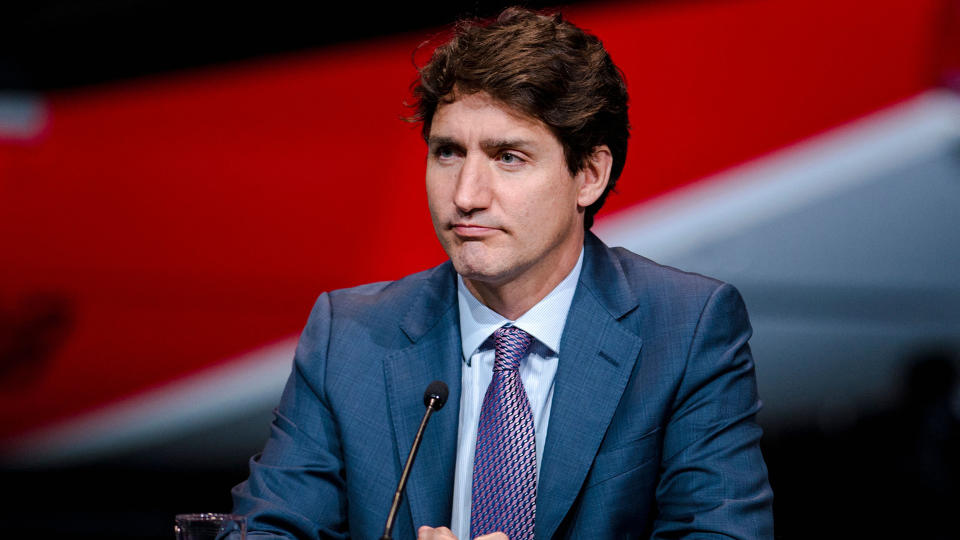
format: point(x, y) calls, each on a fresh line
point(509, 158)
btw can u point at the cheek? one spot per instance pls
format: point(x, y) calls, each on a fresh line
point(435, 194)
point(436, 207)
point(558, 198)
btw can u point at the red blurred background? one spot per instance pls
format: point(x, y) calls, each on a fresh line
point(160, 224)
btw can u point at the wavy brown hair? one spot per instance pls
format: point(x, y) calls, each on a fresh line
point(544, 67)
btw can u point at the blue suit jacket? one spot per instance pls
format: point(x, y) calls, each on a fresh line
point(652, 427)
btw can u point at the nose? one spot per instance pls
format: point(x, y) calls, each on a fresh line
point(473, 190)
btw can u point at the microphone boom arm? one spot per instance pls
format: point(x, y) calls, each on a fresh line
point(434, 401)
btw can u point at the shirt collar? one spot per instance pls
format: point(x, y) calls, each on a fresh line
point(544, 321)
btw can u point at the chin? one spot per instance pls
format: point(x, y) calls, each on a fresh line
point(471, 271)
point(477, 270)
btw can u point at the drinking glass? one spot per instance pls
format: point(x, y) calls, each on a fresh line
point(210, 527)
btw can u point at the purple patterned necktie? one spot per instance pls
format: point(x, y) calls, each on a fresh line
point(505, 463)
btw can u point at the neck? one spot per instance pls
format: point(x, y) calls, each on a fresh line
point(514, 297)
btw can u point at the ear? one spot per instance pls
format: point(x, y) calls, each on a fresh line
point(594, 176)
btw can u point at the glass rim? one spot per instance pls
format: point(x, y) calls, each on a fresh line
point(209, 516)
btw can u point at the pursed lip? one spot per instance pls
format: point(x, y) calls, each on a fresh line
point(472, 230)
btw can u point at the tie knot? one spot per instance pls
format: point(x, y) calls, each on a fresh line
point(511, 345)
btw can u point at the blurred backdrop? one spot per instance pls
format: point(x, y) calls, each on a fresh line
point(180, 180)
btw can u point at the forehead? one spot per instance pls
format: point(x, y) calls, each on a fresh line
point(480, 114)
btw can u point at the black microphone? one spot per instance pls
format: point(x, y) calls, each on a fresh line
point(434, 398)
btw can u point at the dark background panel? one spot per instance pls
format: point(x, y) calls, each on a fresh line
point(49, 45)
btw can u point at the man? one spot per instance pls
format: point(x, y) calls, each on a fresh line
point(593, 393)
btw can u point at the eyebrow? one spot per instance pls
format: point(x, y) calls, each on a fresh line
point(487, 145)
point(497, 144)
point(434, 142)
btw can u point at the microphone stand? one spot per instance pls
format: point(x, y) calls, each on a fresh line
point(388, 529)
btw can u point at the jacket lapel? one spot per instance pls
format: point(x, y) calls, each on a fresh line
point(433, 328)
point(597, 356)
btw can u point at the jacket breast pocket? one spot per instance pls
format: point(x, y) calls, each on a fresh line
point(626, 457)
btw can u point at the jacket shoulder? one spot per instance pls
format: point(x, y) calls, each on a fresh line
point(644, 274)
point(388, 301)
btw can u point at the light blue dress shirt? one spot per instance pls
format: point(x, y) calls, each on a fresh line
point(544, 322)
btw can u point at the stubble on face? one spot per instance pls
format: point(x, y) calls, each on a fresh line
point(503, 203)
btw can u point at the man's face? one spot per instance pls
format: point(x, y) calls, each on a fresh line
point(503, 203)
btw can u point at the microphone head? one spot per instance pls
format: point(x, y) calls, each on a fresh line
point(438, 392)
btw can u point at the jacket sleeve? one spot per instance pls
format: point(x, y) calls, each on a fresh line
point(296, 485)
point(713, 481)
